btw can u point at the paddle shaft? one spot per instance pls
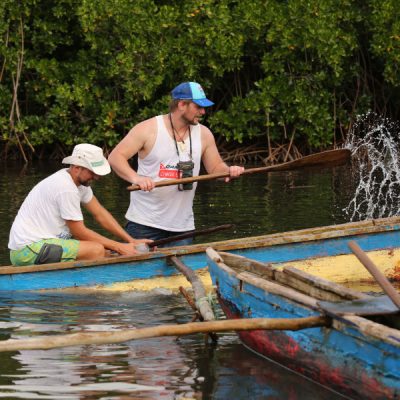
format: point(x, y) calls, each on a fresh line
point(125, 335)
point(374, 271)
point(325, 158)
point(186, 235)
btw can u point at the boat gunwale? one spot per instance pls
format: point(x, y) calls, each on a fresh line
point(281, 238)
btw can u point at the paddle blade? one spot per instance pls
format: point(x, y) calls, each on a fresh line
point(329, 158)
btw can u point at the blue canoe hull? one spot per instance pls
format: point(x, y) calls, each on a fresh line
point(345, 357)
point(274, 248)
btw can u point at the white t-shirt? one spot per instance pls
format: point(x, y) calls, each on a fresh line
point(45, 209)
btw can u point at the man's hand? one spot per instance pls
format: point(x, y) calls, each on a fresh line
point(136, 246)
point(234, 172)
point(145, 183)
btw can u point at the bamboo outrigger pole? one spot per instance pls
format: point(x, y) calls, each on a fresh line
point(125, 335)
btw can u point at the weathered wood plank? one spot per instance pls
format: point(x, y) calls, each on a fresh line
point(278, 289)
point(369, 328)
point(240, 263)
point(338, 291)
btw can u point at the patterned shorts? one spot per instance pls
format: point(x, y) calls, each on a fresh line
point(27, 255)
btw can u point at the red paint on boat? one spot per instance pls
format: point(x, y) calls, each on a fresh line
point(283, 349)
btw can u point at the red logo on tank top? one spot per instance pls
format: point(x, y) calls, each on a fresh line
point(168, 171)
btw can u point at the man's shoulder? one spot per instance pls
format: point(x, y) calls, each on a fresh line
point(57, 178)
point(60, 182)
point(205, 131)
point(145, 127)
point(149, 122)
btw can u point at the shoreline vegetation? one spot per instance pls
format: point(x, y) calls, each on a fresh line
point(288, 78)
point(253, 153)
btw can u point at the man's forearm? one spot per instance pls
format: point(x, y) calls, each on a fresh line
point(122, 168)
point(87, 234)
point(108, 222)
point(222, 167)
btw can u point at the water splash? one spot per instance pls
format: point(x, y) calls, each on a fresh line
point(375, 146)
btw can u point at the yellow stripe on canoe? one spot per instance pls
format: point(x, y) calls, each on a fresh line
point(168, 283)
point(347, 270)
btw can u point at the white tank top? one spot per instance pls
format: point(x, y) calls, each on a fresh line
point(166, 207)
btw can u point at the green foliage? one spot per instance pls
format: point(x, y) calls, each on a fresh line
point(87, 70)
point(305, 54)
point(385, 43)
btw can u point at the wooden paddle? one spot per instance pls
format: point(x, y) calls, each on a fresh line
point(186, 235)
point(323, 159)
point(125, 335)
point(374, 271)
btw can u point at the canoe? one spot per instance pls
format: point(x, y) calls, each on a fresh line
point(323, 249)
point(357, 356)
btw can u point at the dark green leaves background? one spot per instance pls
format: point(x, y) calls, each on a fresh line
point(88, 70)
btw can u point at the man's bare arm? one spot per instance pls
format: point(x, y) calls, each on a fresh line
point(212, 159)
point(139, 140)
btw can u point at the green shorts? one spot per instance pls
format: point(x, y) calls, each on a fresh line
point(27, 255)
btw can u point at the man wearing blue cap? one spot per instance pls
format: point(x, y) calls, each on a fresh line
point(168, 146)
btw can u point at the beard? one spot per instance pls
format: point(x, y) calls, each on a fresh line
point(190, 121)
point(85, 182)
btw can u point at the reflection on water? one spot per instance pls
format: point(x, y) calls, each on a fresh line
point(165, 368)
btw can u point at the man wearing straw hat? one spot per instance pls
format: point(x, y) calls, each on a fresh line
point(49, 225)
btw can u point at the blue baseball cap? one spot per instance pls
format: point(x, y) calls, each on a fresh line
point(191, 91)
